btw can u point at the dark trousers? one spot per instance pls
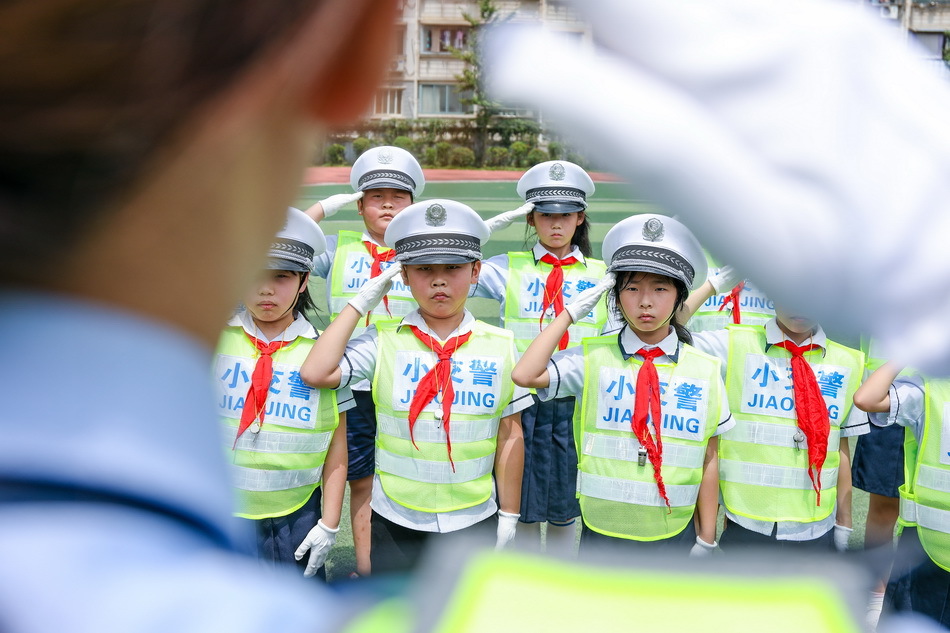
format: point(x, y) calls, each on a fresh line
point(737, 536)
point(917, 584)
point(396, 549)
point(279, 537)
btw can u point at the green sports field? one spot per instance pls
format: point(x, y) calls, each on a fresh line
point(610, 204)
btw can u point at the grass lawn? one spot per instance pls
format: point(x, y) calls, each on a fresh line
point(610, 204)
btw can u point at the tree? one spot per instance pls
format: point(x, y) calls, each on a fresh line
point(471, 79)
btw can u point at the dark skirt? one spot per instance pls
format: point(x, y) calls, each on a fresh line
point(878, 464)
point(279, 537)
point(361, 437)
point(549, 487)
point(917, 584)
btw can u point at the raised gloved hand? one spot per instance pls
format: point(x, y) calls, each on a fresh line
point(319, 541)
point(507, 525)
point(724, 279)
point(702, 549)
point(504, 220)
point(585, 301)
point(755, 144)
point(374, 290)
point(842, 534)
point(337, 201)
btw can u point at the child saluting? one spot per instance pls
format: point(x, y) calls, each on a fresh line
point(649, 405)
point(449, 422)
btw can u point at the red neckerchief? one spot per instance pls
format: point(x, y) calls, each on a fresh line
point(438, 379)
point(256, 398)
point(554, 290)
point(810, 409)
point(647, 403)
point(376, 268)
point(733, 298)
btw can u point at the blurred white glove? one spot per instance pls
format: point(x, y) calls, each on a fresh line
point(507, 525)
point(319, 541)
point(375, 289)
point(724, 279)
point(778, 150)
point(337, 201)
point(842, 534)
point(504, 220)
point(702, 549)
point(583, 303)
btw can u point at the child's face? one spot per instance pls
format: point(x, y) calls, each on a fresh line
point(647, 301)
point(273, 295)
point(794, 324)
point(441, 289)
point(555, 230)
point(379, 206)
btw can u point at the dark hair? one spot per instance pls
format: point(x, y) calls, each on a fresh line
point(624, 277)
point(92, 90)
point(305, 304)
point(580, 240)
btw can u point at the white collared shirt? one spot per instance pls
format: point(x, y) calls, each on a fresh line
point(493, 278)
point(566, 370)
point(906, 405)
point(716, 343)
point(359, 363)
point(300, 327)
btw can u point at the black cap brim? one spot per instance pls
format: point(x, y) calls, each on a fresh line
point(558, 207)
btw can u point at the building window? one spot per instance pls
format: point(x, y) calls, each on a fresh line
point(442, 99)
point(388, 101)
point(439, 39)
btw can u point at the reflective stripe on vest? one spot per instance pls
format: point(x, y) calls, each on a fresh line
point(524, 295)
point(462, 430)
point(929, 486)
point(255, 480)
point(351, 268)
point(274, 442)
point(627, 449)
point(618, 496)
point(773, 476)
point(420, 476)
point(908, 510)
point(760, 451)
point(635, 492)
point(298, 426)
point(433, 472)
point(774, 434)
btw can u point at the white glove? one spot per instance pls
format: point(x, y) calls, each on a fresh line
point(319, 541)
point(842, 534)
point(375, 289)
point(702, 549)
point(765, 139)
point(337, 201)
point(507, 525)
point(724, 279)
point(504, 220)
point(583, 303)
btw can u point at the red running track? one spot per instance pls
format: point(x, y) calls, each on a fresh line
point(341, 175)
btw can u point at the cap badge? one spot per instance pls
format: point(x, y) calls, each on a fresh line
point(385, 156)
point(653, 230)
point(556, 172)
point(435, 215)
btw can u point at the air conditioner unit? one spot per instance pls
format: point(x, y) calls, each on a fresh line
point(890, 12)
point(398, 66)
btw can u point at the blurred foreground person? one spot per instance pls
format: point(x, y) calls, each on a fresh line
point(148, 152)
point(749, 118)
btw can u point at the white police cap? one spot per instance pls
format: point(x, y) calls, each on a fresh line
point(655, 244)
point(387, 167)
point(437, 232)
point(297, 244)
point(556, 186)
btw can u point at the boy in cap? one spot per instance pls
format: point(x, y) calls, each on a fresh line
point(385, 180)
point(283, 438)
point(448, 415)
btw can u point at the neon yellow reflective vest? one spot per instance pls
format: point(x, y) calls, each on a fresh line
point(762, 471)
point(351, 268)
point(513, 591)
point(754, 309)
point(524, 296)
point(276, 470)
point(619, 496)
point(925, 495)
point(423, 478)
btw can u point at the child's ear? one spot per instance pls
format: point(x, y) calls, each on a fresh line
point(345, 90)
point(304, 279)
point(476, 268)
